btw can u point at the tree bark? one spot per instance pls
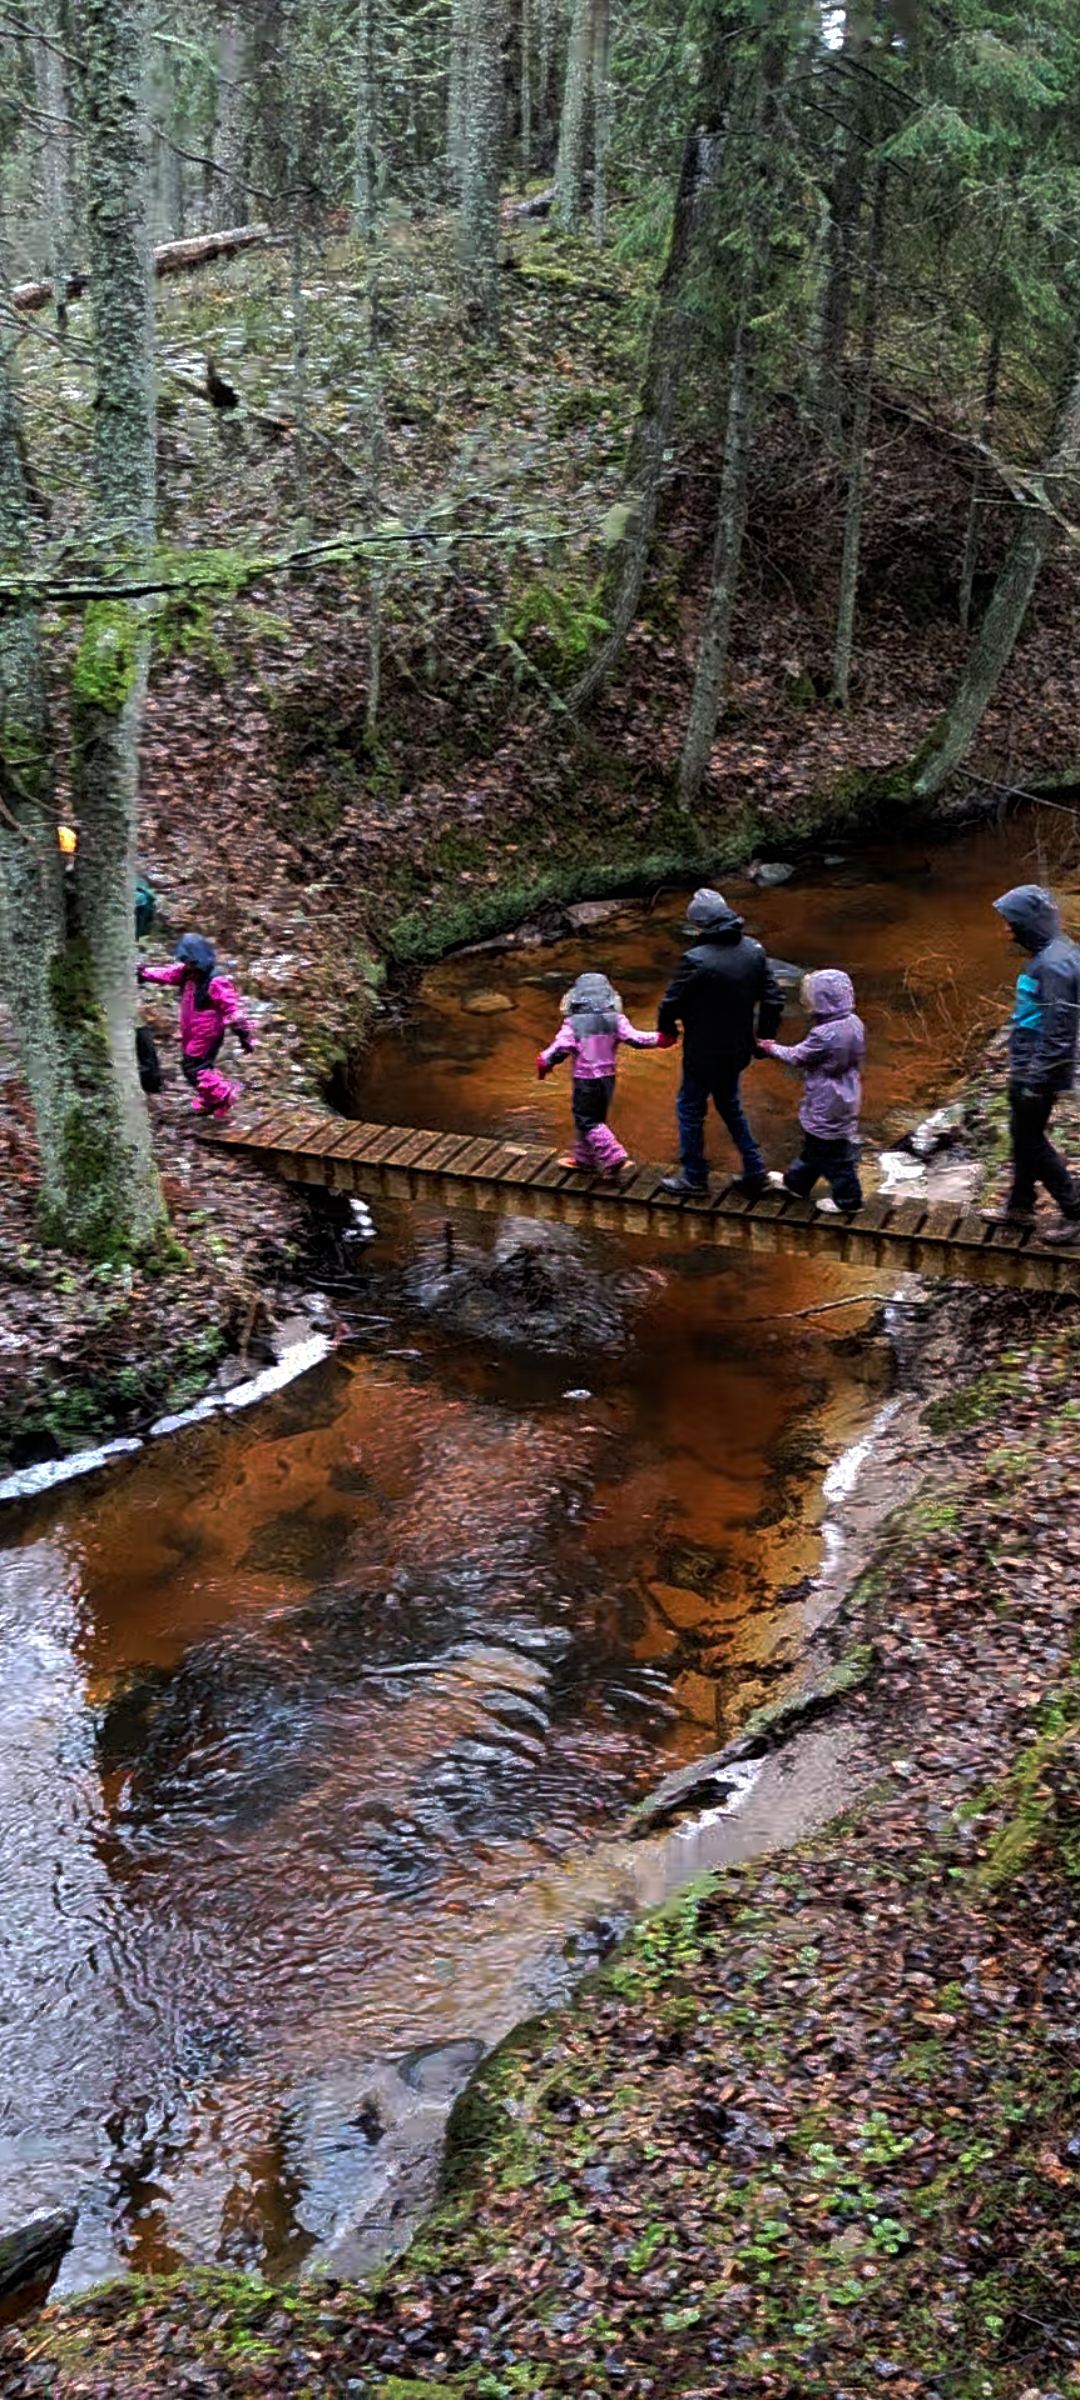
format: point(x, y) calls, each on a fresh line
point(997, 636)
point(602, 108)
point(58, 164)
point(727, 554)
point(655, 416)
point(457, 97)
point(482, 164)
point(111, 667)
point(573, 122)
point(860, 432)
point(367, 121)
point(525, 166)
point(969, 560)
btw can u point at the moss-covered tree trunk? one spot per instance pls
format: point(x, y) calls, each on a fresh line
point(997, 636)
point(111, 668)
point(574, 119)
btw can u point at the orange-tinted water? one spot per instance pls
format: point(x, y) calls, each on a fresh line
point(299, 1714)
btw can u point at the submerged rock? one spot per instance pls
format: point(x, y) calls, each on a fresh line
point(533, 1290)
point(486, 1004)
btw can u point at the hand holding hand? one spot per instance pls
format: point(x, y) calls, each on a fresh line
point(246, 1041)
point(543, 1066)
point(765, 1049)
point(666, 1041)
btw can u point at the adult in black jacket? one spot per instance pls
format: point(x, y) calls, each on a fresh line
point(1042, 1058)
point(725, 997)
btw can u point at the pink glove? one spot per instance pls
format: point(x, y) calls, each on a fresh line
point(767, 1049)
point(543, 1066)
point(666, 1041)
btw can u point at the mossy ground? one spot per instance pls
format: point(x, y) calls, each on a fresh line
point(812, 2131)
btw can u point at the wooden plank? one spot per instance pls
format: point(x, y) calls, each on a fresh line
point(366, 1149)
point(940, 1221)
point(336, 1130)
point(509, 1163)
point(447, 1147)
point(905, 1218)
point(642, 1186)
point(550, 1178)
point(972, 1232)
point(873, 1216)
point(413, 1152)
point(269, 1135)
point(473, 1160)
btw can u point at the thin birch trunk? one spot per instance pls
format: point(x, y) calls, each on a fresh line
point(998, 633)
point(655, 417)
point(374, 691)
point(860, 433)
point(970, 558)
point(230, 204)
point(570, 162)
point(727, 555)
point(483, 160)
point(525, 169)
point(367, 121)
point(58, 164)
point(602, 113)
point(457, 97)
point(547, 55)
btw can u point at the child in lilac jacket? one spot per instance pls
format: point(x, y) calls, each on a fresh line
point(830, 1057)
point(592, 1028)
point(209, 1004)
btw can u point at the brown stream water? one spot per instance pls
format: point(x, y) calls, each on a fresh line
point(308, 1720)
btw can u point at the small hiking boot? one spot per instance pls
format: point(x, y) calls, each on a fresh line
point(1020, 1219)
point(685, 1187)
point(1066, 1230)
point(751, 1186)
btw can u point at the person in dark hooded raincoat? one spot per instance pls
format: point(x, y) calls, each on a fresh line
point(1042, 1058)
point(725, 997)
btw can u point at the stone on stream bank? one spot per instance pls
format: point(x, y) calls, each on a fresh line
point(30, 2253)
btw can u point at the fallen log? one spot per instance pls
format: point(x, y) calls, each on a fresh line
point(171, 258)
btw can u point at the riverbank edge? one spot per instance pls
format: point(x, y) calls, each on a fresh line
point(249, 2336)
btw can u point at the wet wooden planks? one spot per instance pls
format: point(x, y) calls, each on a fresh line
point(482, 1172)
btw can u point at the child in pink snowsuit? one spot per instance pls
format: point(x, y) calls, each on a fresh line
point(593, 1026)
point(209, 1003)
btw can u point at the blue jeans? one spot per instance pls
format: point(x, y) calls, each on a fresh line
point(693, 1100)
point(836, 1162)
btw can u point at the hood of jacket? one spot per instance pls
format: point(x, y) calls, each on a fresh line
point(592, 1006)
point(1031, 913)
point(193, 951)
point(727, 927)
point(830, 993)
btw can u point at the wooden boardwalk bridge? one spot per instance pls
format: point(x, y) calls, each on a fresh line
point(455, 1170)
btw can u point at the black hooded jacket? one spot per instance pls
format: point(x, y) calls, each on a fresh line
point(725, 996)
point(1046, 1019)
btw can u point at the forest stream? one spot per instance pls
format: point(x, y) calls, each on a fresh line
point(311, 1723)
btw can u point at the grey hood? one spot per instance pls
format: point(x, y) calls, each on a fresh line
point(709, 916)
point(1031, 913)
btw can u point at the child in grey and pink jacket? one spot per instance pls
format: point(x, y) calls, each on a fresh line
point(830, 1057)
point(593, 1027)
